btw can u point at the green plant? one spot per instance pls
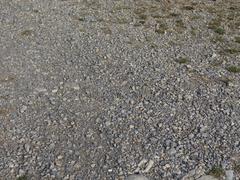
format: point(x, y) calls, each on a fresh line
point(217, 38)
point(216, 171)
point(172, 14)
point(231, 50)
point(27, 33)
point(179, 23)
point(214, 24)
point(188, 8)
point(225, 80)
point(237, 39)
point(161, 29)
point(23, 177)
point(182, 60)
point(219, 30)
point(106, 30)
point(233, 69)
point(193, 31)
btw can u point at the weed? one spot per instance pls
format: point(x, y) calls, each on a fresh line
point(140, 11)
point(27, 33)
point(193, 31)
point(217, 63)
point(106, 30)
point(153, 46)
point(142, 16)
point(188, 8)
point(195, 17)
point(24, 177)
point(179, 23)
point(216, 171)
point(232, 50)
point(233, 69)
point(174, 14)
point(214, 24)
point(219, 30)
point(182, 60)
point(225, 80)
point(237, 39)
point(162, 28)
point(217, 39)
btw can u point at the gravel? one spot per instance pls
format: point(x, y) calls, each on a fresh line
point(105, 89)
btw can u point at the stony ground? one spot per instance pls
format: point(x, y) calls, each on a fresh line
point(100, 89)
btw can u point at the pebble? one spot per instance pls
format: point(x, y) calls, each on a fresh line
point(54, 90)
point(23, 109)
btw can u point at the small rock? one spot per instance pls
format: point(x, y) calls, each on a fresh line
point(54, 90)
point(137, 177)
point(27, 147)
point(167, 166)
point(214, 55)
point(60, 157)
point(149, 166)
point(41, 90)
point(131, 126)
point(172, 151)
point(76, 87)
point(23, 109)
point(108, 123)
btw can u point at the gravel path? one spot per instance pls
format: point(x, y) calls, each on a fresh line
point(101, 89)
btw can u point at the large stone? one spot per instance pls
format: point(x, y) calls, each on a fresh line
point(229, 175)
point(137, 177)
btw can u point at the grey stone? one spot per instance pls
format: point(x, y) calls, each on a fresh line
point(207, 177)
point(229, 175)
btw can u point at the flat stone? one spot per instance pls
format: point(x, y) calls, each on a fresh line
point(207, 177)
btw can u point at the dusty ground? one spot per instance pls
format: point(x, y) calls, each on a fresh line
point(103, 89)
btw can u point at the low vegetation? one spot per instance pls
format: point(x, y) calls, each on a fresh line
point(216, 171)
